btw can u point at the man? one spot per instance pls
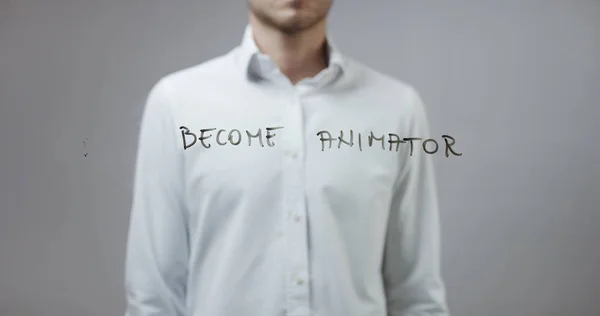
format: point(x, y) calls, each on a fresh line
point(284, 178)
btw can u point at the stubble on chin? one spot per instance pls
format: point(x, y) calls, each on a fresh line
point(290, 26)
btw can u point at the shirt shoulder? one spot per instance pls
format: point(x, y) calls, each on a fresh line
point(386, 88)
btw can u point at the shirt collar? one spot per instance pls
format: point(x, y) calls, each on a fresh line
point(251, 59)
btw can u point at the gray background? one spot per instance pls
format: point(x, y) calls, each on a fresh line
point(517, 83)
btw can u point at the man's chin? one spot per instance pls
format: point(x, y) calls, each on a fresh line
point(292, 26)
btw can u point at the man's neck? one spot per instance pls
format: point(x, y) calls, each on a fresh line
point(298, 56)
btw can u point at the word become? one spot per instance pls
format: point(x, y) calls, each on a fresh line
point(393, 139)
point(234, 137)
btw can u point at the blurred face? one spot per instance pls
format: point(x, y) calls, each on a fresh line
point(290, 16)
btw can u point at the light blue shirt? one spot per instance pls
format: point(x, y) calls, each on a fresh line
point(261, 215)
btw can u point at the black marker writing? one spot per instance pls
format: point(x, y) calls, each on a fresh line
point(341, 139)
point(323, 139)
point(425, 146)
point(449, 146)
point(397, 141)
point(359, 142)
point(429, 145)
point(258, 135)
point(186, 132)
point(234, 137)
point(202, 138)
point(269, 135)
point(219, 134)
point(410, 139)
point(371, 137)
point(231, 137)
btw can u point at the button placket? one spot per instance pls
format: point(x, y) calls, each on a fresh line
point(297, 293)
point(297, 217)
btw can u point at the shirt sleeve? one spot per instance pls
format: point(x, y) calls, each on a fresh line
point(411, 264)
point(157, 246)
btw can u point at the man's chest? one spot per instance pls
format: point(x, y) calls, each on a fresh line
point(241, 150)
point(325, 139)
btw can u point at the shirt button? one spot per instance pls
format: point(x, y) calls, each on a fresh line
point(299, 280)
point(297, 217)
point(291, 154)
